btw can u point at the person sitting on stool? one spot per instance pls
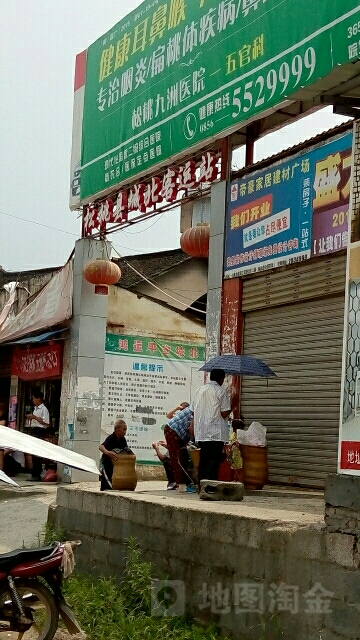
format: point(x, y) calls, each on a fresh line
point(12, 462)
point(164, 457)
point(117, 441)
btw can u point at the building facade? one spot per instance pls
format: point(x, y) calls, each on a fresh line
point(128, 354)
point(282, 299)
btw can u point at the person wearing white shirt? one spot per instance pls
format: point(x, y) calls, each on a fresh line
point(39, 421)
point(211, 407)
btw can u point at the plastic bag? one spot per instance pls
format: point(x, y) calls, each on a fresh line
point(50, 476)
point(254, 436)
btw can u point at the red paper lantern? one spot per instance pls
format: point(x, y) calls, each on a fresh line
point(195, 241)
point(101, 273)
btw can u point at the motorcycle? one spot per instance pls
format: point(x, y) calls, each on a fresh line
point(31, 598)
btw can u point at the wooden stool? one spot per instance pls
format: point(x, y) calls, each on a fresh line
point(124, 473)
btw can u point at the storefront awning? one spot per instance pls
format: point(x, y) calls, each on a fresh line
point(43, 337)
point(51, 307)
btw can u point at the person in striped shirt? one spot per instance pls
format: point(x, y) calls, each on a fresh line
point(178, 432)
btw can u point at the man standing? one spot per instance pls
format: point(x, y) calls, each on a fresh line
point(39, 422)
point(211, 407)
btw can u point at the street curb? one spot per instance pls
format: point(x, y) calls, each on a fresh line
point(9, 492)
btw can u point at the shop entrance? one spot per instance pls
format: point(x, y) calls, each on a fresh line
point(5, 379)
point(51, 388)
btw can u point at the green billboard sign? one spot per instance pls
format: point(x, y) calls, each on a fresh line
point(153, 348)
point(175, 74)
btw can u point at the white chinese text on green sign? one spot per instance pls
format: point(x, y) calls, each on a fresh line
point(175, 73)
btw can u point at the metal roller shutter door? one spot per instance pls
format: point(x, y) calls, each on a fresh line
point(302, 342)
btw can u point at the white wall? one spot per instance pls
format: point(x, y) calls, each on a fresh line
point(186, 283)
point(131, 314)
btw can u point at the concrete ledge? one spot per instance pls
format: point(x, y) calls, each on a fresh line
point(260, 540)
point(341, 549)
point(343, 491)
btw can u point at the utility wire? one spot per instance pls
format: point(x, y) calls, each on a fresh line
point(120, 256)
point(156, 287)
point(40, 224)
point(133, 233)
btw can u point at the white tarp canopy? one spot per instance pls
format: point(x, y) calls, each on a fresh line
point(13, 439)
point(6, 478)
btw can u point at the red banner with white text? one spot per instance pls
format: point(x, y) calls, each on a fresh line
point(37, 363)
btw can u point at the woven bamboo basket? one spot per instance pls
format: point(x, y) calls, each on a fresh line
point(255, 468)
point(195, 457)
point(124, 473)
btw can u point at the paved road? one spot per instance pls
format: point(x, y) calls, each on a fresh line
point(22, 519)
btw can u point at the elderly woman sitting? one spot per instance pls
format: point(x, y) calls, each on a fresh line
point(109, 448)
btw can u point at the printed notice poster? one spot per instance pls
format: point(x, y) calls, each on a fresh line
point(144, 378)
point(13, 407)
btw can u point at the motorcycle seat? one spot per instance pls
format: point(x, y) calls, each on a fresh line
point(18, 556)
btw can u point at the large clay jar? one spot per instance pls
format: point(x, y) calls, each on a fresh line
point(255, 467)
point(124, 474)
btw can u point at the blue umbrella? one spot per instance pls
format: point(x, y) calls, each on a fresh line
point(239, 366)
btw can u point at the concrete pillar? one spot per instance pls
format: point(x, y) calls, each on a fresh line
point(186, 215)
point(83, 371)
point(349, 433)
point(215, 273)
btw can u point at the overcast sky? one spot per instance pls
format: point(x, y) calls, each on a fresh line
point(39, 40)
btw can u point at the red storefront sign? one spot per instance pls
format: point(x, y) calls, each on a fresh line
point(142, 196)
point(37, 363)
point(350, 455)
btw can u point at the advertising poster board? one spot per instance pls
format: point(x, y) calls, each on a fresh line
point(171, 76)
point(144, 378)
point(290, 211)
point(13, 408)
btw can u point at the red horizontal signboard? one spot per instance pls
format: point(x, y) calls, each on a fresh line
point(350, 455)
point(37, 363)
